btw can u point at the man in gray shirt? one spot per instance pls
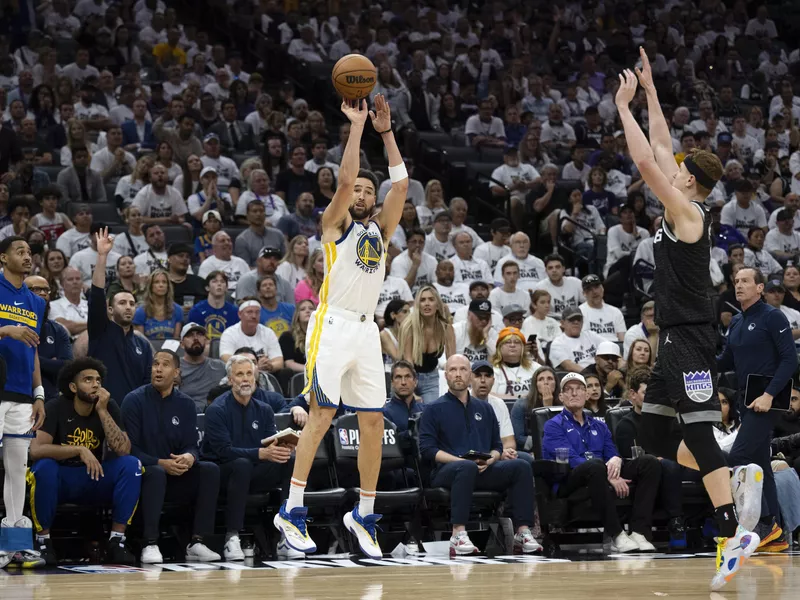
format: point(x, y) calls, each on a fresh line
point(257, 236)
point(198, 372)
point(267, 262)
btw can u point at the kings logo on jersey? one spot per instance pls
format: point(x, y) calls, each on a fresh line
point(698, 385)
point(369, 251)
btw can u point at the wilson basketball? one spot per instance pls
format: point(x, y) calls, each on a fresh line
point(354, 76)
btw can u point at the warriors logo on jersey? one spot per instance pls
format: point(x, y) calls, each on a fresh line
point(369, 250)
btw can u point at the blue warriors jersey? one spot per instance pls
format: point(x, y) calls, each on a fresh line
point(19, 307)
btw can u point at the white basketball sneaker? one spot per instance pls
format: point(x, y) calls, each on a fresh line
point(746, 484)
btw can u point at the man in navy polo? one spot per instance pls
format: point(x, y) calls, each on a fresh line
point(595, 463)
point(451, 427)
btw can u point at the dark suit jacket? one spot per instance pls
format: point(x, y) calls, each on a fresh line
point(130, 135)
point(247, 140)
point(70, 184)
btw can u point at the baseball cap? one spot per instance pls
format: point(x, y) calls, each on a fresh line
point(511, 150)
point(774, 284)
point(608, 348)
point(590, 280)
point(480, 307)
point(179, 248)
point(724, 138)
point(210, 213)
point(189, 327)
point(269, 251)
point(206, 171)
point(512, 309)
point(445, 214)
point(500, 224)
point(480, 365)
point(211, 136)
point(571, 313)
point(572, 377)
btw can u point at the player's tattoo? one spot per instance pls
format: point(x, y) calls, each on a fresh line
point(116, 439)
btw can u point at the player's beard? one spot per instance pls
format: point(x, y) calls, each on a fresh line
point(360, 214)
point(84, 397)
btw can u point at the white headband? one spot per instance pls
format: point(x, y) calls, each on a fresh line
point(248, 304)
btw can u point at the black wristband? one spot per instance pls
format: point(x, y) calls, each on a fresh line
point(387, 131)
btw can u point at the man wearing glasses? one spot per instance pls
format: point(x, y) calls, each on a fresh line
point(54, 345)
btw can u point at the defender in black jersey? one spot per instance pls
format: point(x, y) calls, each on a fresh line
point(683, 380)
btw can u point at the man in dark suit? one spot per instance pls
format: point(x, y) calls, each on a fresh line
point(137, 134)
point(235, 135)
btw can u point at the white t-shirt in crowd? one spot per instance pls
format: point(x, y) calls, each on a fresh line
point(72, 241)
point(291, 273)
point(264, 341)
point(502, 414)
point(621, 243)
point(103, 159)
point(580, 350)
point(460, 316)
point(476, 239)
point(513, 381)
point(474, 126)
point(85, 260)
point(473, 353)
point(227, 170)
point(501, 298)
point(531, 271)
point(64, 309)
point(233, 268)
point(743, 218)
point(155, 206)
point(149, 261)
point(425, 216)
point(128, 190)
point(474, 269)
point(560, 134)
point(437, 249)
point(122, 245)
point(762, 260)
point(77, 74)
point(508, 176)
point(775, 241)
point(274, 206)
point(607, 321)
point(491, 253)
point(545, 330)
point(635, 332)
point(455, 296)
point(426, 271)
point(394, 288)
point(569, 293)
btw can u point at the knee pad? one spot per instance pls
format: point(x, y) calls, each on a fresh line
point(699, 439)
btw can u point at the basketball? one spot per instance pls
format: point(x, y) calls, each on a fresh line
point(354, 76)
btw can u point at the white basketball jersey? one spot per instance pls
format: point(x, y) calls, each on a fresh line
point(354, 269)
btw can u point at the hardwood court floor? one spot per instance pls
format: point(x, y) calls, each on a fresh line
point(774, 577)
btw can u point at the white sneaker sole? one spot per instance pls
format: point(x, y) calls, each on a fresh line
point(279, 525)
point(747, 496)
point(719, 580)
point(290, 554)
point(152, 560)
point(234, 557)
point(367, 547)
point(203, 559)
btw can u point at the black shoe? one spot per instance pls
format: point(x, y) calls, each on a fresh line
point(45, 548)
point(117, 553)
point(677, 534)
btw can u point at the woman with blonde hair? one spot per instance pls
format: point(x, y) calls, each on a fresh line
point(129, 185)
point(434, 204)
point(294, 265)
point(424, 335)
point(538, 324)
point(293, 343)
point(308, 289)
point(76, 136)
point(542, 393)
point(248, 166)
point(160, 318)
point(513, 367)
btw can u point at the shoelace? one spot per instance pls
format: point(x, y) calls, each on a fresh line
point(300, 522)
point(370, 524)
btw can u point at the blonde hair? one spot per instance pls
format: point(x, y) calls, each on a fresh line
point(314, 279)
point(412, 329)
point(290, 252)
point(149, 297)
point(428, 187)
point(497, 357)
point(299, 332)
point(710, 164)
point(71, 142)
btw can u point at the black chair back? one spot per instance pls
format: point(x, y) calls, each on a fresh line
point(614, 416)
point(539, 417)
point(296, 384)
point(346, 442)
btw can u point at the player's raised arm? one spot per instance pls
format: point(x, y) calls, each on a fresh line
point(684, 219)
point(660, 139)
point(337, 213)
point(395, 199)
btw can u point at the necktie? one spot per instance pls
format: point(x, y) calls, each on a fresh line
point(234, 137)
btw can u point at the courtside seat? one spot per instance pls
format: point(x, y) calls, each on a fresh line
point(614, 416)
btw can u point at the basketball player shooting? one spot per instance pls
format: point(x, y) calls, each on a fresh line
point(343, 348)
point(683, 382)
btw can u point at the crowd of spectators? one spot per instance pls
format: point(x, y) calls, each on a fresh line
point(213, 180)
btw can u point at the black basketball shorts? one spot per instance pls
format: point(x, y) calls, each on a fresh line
point(684, 377)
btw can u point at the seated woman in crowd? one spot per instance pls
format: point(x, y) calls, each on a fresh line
point(542, 393)
point(513, 367)
point(164, 157)
point(54, 262)
point(394, 315)
point(596, 397)
point(539, 324)
point(434, 204)
point(188, 182)
point(409, 221)
point(76, 136)
point(293, 343)
point(424, 335)
point(640, 354)
point(308, 289)
point(127, 280)
point(160, 318)
point(324, 187)
point(791, 281)
point(294, 265)
point(579, 225)
point(129, 185)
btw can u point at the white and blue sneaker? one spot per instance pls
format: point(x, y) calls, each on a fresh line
point(293, 527)
point(364, 528)
point(287, 552)
point(747, 482)
point(731, 555)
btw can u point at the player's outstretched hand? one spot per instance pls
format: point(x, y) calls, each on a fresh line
point(355, 110)
point(627, 88)
point(645, 74)
point(105, 242)
point(382, 116)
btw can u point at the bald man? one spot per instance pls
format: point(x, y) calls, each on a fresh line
point(531, 268)
point(54, 345)
point(446, 441)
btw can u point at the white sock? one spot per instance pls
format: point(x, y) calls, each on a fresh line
point(366, 503)
point(15, 462)
point(296, 490)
